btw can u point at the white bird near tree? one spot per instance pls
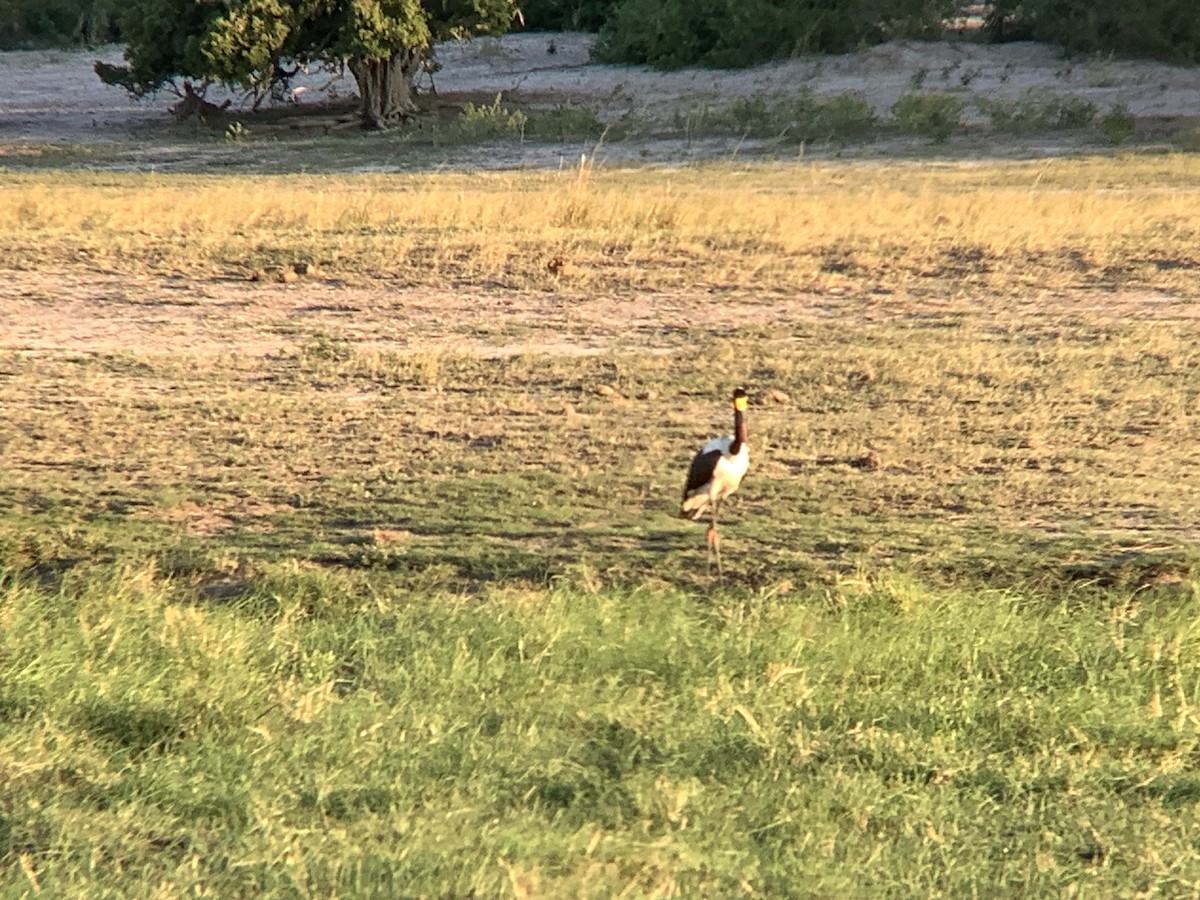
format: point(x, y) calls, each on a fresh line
point(715, 473)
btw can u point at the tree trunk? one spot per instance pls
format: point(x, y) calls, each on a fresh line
point(386, 87)
point(194, 106)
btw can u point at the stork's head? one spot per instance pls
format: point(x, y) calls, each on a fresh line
point(740, 399)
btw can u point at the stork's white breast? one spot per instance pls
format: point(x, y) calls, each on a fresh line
point(730, 468)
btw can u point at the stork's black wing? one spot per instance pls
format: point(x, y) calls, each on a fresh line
point(703, 465)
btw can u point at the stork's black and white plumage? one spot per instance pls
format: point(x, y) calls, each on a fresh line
point(716, 472)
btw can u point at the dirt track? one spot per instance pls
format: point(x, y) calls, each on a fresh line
point(109, 312)
point(73, 312)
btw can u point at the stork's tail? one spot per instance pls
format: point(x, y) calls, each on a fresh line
point(694, 506)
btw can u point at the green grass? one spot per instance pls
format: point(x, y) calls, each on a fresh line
point(319, 735)
point(336, 621)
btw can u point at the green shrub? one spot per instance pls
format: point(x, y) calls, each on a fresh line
point(848, 116)
point(1117, 125)
point(565, 15)
point(797, 119)
point(1163, 29)
point(1039, 110)
point(563, 123)
point(669, 34)
point(486, 123)
point(236, 133)
point(934, 115)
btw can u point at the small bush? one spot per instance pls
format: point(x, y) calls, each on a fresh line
point(486, 123)
point(848, 116)
point(1039, 110)
point(236, 133)
point(1188, 138)
point(563, 123)
point(935, 115)
point(797, 119)
point(1117, 125)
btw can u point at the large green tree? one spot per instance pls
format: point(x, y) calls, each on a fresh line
point(249, 43)
point(1163, 29)
point(34, 22)
point(670, 34)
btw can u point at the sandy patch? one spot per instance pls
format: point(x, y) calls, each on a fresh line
point(71, 312)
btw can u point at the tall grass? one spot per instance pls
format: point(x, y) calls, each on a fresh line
point(1005, 227)
point(313, 738)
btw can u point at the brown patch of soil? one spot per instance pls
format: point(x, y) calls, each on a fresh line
point(74, 311)
point(199, 520)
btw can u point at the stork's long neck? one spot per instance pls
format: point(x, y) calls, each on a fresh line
point(739, 431)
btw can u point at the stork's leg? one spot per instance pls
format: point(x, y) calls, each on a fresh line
point(714, 544)
point(713, 539)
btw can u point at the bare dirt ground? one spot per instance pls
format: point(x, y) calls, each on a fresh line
point(53, 98)
point(109, 313)
point(79, 312)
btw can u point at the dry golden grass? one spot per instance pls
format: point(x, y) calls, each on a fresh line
point(1014, 227)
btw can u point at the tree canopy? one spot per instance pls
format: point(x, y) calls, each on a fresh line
point(25, 23)
point(669, 34)
point(1162, 29)
point(248, 43)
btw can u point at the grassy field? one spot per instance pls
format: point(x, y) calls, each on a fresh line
point(349, 621)
point(1016, 229)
